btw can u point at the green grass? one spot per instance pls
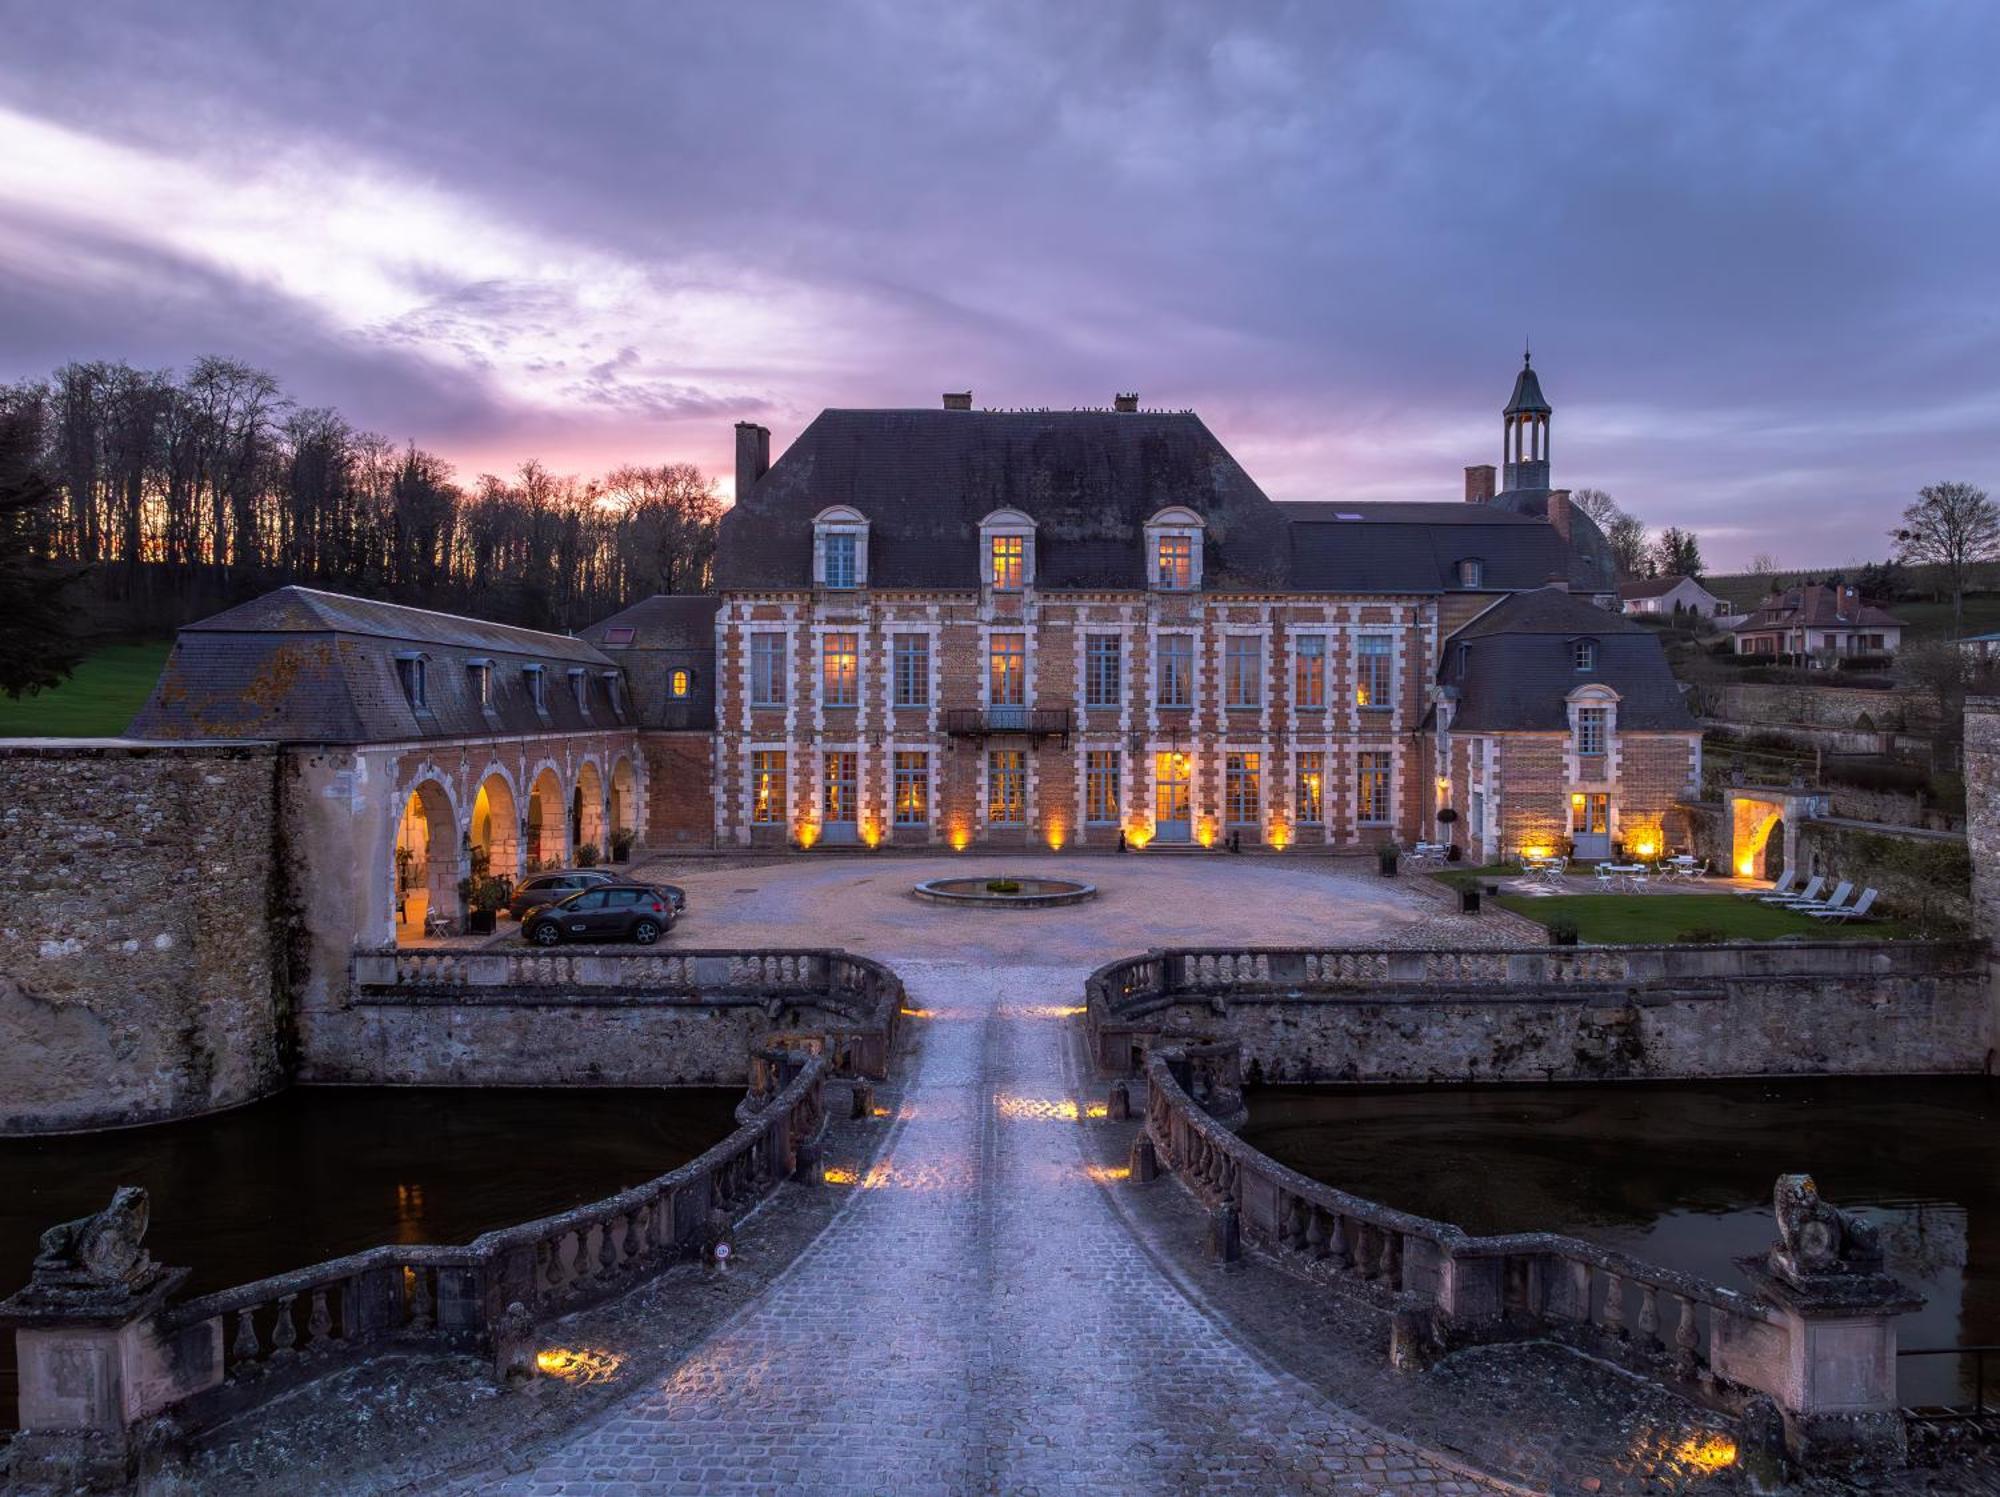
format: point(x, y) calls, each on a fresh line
point(1663, 919)
point(1466, 876)
point(1933, 620)
point(98, 701)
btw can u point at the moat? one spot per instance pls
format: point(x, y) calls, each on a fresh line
point(318, 1172)
point(1680, 1174)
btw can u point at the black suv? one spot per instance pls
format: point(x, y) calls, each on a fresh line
point(609, 912)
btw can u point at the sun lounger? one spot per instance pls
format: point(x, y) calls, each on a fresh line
point(1786, 886)
point(1856, 911)
point(1810, 894)
point(1841, 895)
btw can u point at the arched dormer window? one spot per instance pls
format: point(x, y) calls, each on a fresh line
point(1007, 551)
point(1471, 572)
point(840, 548)
point(1173, 551)
point(1593, 719)
point(1583, 654)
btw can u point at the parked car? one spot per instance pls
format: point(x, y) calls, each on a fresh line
point(539, 889)
point(609, 912)
point(675, 895)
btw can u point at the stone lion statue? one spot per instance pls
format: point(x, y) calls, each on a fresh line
point(100, 1252)
point(1816, 1238)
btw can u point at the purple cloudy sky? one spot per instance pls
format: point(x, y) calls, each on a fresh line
point(1757, 246)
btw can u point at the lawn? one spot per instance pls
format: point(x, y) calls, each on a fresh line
point(98, 701)
point(1672, 919)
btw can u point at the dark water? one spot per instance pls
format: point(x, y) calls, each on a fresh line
point(1680, 1174)
point(318, 1172)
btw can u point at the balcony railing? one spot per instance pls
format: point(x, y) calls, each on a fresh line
point(979, 722)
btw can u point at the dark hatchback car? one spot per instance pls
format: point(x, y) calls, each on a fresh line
point(609, 912)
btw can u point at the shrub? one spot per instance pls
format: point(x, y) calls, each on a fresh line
point(1386, 858)
point(587, 855)
point(1701, 935)
point(1562, 931)
point(486, 894)
point(622, 839)
point(1003, 886)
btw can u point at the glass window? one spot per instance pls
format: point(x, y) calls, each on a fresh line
point(1242, 800)
point(840, 550)
point(1585, 654)
point(1007, 788)
point(767, 670)
point(1100, 785)
point(1173, 562)
point(1590, 814)
point(1371, 787)
point(1471, 573)
point(1590, 723)
point(415, 688)
point(910, 655)
point(1312, 801)
point(619, 898)
point(1103, 685)
point(841, 803)
point(594, 900)
point(1309, 692)
point(1176, 670)
point(1007, 673)
point(1243, 670)
point(482, 685)
point(533, 673)
point(839, 671)
point(913, 788)
point(1008, 562)
point(579, 687)
point(1373, 667)
point(767, 787)
point(679, 684)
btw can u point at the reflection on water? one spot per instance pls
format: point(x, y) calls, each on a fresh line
point(1680, 1174)
point(318, 1172)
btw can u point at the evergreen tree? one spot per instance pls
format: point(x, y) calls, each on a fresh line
point(36, 646)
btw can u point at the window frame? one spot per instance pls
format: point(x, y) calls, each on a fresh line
point(1182, 655)
point(1243, 784)
point(1015, 679)
point(769, 647)
point(1100, 787)
point(909, 669)
point(1365, 670)
point(1374, 773)
point(767, 809)
point(910, 768)
point(1583, 655)
point(1103, 662)
point(537, 688)
point(1309, 672)
point(1007, 573)
point(1309, 803)
point(413, 675)
point(843, 690)
point(1593, 724)
point(1015, 775)
point(1242, 672)
point(847, 546)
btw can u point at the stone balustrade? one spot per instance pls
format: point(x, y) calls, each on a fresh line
point(1445, 1288)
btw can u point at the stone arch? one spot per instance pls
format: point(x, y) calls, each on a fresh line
point(625, 796)
point(428, 860)
point(587, 808)
point(495, 825)
point(545, 824)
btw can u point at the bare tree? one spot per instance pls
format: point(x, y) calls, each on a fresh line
point(1626, 535)
point(1764, 564)
point(1952, 525)
point(1600, 506)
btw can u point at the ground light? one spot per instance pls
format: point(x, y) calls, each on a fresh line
point(579, 1364)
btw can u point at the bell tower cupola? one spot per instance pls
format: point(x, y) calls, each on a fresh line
point(1525, 423)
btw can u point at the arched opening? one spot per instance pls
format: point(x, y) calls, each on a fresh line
point(427, 865)
point(496, 829)
point(1773, 852)
point(548, 841)
point(587, 810)
point(624, 802)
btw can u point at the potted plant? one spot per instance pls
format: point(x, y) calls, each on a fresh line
point(1562, 931)
point(622, 839)
point(1447, 815)
point(1453, 853)
point(483, 901)
point(587, 855)
point(1387, 855)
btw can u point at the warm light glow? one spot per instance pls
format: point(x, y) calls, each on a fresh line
point(960, 838)
point(1105, 1174)
point(808, 833)
point(1746, 866)
point(919, 1013)
point(1205, 832)
point(1539, 850)
point(1646, 849)
point(1053, 1011)
point(878, 1112)
point(1706, 1452)
point(871, 833)
point(839, 1175)
point(1056, 835)
point(579, 1364)
point(1047, 1109)
point(1138, 834)
point(1279, 836)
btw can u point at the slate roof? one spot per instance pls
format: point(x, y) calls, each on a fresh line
point(665, 621)
point(1527, 397)
point(1417, 548)
point(302, 666)
point(651, 640)
point(1518, 667)
point(1817, 605)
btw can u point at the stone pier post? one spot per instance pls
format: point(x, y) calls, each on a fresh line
point(1982, 837)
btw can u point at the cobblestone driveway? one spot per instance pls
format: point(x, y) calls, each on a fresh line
point(978, 1320)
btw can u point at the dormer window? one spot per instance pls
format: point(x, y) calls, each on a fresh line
point(1007, 544)
point(579, 685)
point(482, 683)
point(1583, 653)
point(532, 674)
point(416, 688)
point(614, 689)
point(840, 549)
point(1472, 572)
point(1007, 560)
point(1173, 551)
point(679, 684)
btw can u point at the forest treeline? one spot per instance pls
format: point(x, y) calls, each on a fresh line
point(178, 494)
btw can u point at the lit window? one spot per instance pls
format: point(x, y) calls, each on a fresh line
point(913, 788)
point(1241, 777)
point(1585, 654)
point(1173, 562)
point(1102, 684)
point(767, 670)
point(1007, 673)
point(1310, 690)
point(841, 547)
point(1590, 726)
point(416, 686)
point(1243, 670)
point(1100, 785)
point(678, 685)
point(1371, 788)
point(1007, 788)
point(911, 655)
point(1590, 814)
point(767, 787)
point(1176, 670)
point(1373, 668)
point(839, 670)
point(1008, 562)
point(1312, 802)
point(841, 803)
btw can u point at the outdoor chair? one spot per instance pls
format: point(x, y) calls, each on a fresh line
point(1694, 873)
point(1782, 895)
point(1787, 884)
point(1841, 894)
point(437, 923)
point(1856, 911)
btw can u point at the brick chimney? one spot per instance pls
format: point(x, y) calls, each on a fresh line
point(959, 401)
point(1127, 403)
point(753, 455)
point(1478, 483)
point(1559, 511)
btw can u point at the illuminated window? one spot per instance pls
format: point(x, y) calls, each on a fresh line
point(1311, 802)
point(839, 671)
point(1373, 666)
point(1243, 670)
point(1102, 684)
point(1590, 728)
point(1007, 670)
point(1309, 691)
point(1007, 788)
point(1584, 653)
point(1241, 793)
point(1009, 555)
point(910, 658)
point(1173, 562)
point(678, 685)
point(1100, 785)
point(913, 788)
point(1175, 674)
point(1371, 788)
point(841, 803)
point(1590, 814)
point(767, 787)
point(767, 670)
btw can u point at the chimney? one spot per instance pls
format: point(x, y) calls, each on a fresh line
point(1559, 511)
point(1479, 483)
point(753, 456)
point(961, 401)
point(1127, 403)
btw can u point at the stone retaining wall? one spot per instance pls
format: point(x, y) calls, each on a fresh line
point(142, 920)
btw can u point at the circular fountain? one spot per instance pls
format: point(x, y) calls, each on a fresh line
point(1024, 892)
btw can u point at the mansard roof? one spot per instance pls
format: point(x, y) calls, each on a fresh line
point(1517, 667)
point(665, 621)
point(1406, 548)
point(302, 666)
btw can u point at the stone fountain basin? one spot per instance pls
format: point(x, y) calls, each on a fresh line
point(1036, 892)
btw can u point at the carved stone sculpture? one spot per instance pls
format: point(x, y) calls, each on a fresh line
point(97, 1260)
point(1816, 1239)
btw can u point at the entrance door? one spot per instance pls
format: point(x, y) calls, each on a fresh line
point(1173, 799)
point(1590, 825)
point(842, 822)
